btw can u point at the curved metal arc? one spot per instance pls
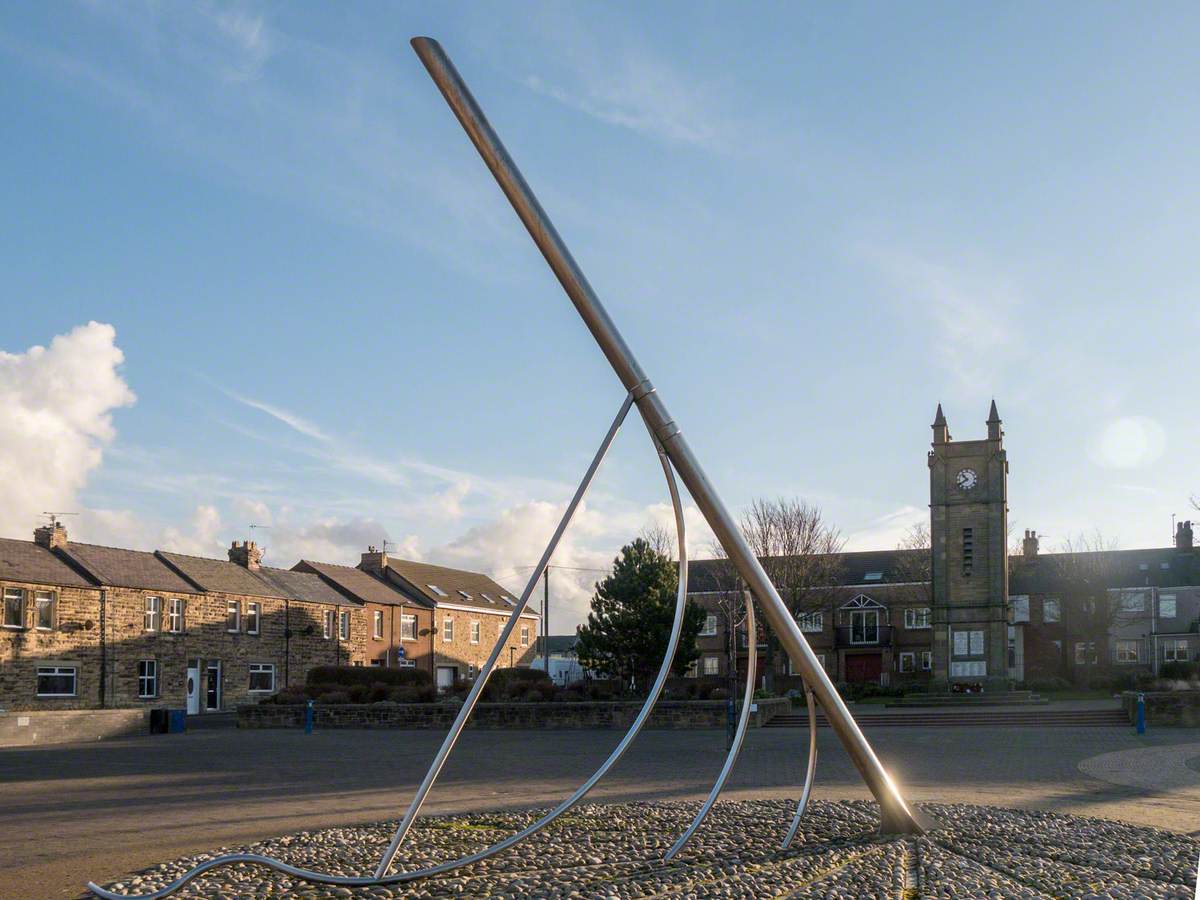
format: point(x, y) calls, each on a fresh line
point(738, 738)
point(485, 673)
point(643, 715)
point(812, 768)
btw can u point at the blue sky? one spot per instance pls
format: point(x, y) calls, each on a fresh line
point(812, 223)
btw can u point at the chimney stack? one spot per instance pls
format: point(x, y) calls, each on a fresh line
point(1029, 546)
point(246, 554)
point(1183, 537)
point(52, 536)
point(374, 561)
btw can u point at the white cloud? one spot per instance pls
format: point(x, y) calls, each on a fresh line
point(290, 419)
point(56, 408)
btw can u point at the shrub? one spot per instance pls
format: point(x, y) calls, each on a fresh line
point(412, 693)
point(345, 676)
point(334, 697)
point(718, 694)
point(359, 693)
point(1051, 683)
point(1179, 671)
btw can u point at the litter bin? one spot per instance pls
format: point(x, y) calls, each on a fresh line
point(178, 723)
point(159, 721)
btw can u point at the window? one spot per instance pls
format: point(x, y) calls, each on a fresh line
point(328, 631)
point(465, 595)
point(252, 615)
point(821, 659)
point(447, 630)
point(968, 550)
point(917, 618)
point(1020, 607)
point(404, 662)
point(873, 576)
point(262, 677)
point(233, 615)
point(437, 590)
point(175, 616)
point(1133, 602)
point(14, 608)
point(509, 600)
point(710, 626)
point(524, 635)
point(1051, 610)
point(812, 621)
point(148, 678)
point(376, 663)
point(712, 665)
point(907, 662)
point(1085, 653)
point(864, 626)
point(43, 602)
point(968, 669)
point(56, 681)
point(926, 660)
point(471, 670)
point(487, 597)
point(968, 643)
point(344, 623)
point(408, 627)
point(153, 613)
point(1164, 566)
point(693, 669)
point(1166, 606)
point(377, 630)
point(475, 632)
point(1127, 651)
point(1175, 650)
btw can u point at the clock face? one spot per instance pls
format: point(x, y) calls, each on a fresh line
point(967, 479)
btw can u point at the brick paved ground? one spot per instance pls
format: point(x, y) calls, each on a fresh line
point(75, 812)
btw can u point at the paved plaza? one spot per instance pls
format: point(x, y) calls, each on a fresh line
point(98, 811)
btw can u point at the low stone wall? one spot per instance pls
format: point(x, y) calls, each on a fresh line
point(1165, 707)
point(19, 729)
point(667, 714)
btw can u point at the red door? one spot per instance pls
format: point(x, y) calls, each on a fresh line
point(862, 668)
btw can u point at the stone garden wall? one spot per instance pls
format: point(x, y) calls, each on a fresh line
point(1165, 707)
point(615, 714)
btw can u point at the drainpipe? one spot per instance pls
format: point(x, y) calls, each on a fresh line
point(287, 643)
point(103, 643)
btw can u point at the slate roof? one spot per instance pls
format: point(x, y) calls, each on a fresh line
point(227, 577)
point(117, 567)
point(893, 565)
point(362, 585)
point(26, 561)
point(1154, 567)
point(306, 586)
point(417, 577)
point(562, 644)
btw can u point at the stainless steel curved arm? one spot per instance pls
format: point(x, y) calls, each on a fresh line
point(485, 673)
point(812, 768)
point(738, 738)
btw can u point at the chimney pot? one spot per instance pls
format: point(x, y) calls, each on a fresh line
point(1029, 546)
point(246, 554)
point(51, 536)
point(1183, 536)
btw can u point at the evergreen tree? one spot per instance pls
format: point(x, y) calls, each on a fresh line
point(627, 630)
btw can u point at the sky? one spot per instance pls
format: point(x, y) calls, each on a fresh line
point(255, 274)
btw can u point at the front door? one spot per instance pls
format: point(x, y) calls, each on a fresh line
point(445, 677)
point(212, 687)
point(864, 668)
point(193, 689)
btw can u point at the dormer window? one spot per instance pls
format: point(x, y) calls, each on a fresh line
point(873, 576)
point(465, 595)
point(487, 598)
point(509, 600)
point(437, 590)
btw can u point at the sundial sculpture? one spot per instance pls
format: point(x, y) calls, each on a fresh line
point(896, 817)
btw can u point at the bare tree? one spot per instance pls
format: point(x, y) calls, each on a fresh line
point(730, 607)
point(660, 538)
point(1084, 571)
point(801, 553)
point(914, 564)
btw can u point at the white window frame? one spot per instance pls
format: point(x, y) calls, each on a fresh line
point(476, 631)
point(233, 616)
point(43, 599)
point(710, 626)
point(693, 669)
point(260, 669)
point(152, 618)
point(1131, 601)
point(1051, 603)
point(437, 590)
point(19, 595)
point(147, 679)
point(1084, 650)
point(811, 622)
point(1121, 651)
point(329, 624)
point(913, 622)
point(175, 612)
point(867, 629)
point(377, 624)
point(253, 614)
point(1167, 602)
point(1019, 603)
point(524, 635)
point(54, 672)
point(448, 630)
point(344, 625)
point(712, 665)
point(908, 661)
point(1175, 650)
point(926, 660)
point(408, 627)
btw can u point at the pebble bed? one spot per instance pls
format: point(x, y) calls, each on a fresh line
point(616, 852)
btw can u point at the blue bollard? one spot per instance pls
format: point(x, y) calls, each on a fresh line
point(308, 717)
point(1141, 714)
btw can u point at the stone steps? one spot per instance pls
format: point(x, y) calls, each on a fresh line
point(985, 719)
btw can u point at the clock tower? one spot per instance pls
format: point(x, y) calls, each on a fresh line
point(968, 529)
